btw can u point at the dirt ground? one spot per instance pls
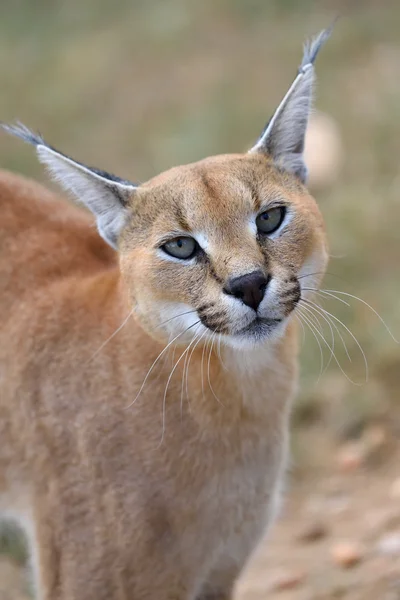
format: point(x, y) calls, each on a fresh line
point(338, 537)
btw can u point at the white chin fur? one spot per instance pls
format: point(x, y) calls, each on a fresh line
point(251, 341)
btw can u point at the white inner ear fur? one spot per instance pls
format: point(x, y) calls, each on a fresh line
point(104, 197)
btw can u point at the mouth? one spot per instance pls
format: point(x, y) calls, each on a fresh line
point(259, 327)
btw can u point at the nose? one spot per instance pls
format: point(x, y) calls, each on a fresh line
point(249, 288)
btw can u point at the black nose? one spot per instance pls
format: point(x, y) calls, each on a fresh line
point(249, 288)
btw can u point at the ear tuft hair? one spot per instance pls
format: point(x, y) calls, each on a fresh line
point(284, 135)
point(25, 134)
point(106, 195)
point(312, 47)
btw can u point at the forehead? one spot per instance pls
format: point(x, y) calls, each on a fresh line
point(218, 190)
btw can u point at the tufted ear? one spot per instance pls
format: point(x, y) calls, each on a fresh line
point(106, 195)
point(284, 135)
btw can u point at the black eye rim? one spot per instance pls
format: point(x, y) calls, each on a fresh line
point(196, 247)
point(283, 212)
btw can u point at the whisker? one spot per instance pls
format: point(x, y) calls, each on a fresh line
point(330, 323)
point(166, 390)
point(368, 306)
point(190, 357)
point(202, 368)
point(315, 317)
point(194, 341)
point(323, 293)
point(213, 337)
point(322, 273)
point(124, 322)
point(158, 358)
point(303, 331)
point(334, 356)
point(303, 317)
point(310, 310)
point(353, 337)
point(188, 312)
point(219, 353)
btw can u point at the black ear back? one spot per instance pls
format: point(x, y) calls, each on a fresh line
point(104, 194)
point(284, 136)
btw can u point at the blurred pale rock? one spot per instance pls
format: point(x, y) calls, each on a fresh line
point(323, 151)
point(395, 488)
point(390, 544)
point(375, 438)
point(354, 455)
point(346, 554)
point(351, 457)
point(287, 580)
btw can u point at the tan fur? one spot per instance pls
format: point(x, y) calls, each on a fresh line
point(127, 496)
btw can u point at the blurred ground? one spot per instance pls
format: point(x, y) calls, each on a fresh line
point(338, 538)
point(136, 87)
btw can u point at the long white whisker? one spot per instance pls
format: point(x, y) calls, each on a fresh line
point(303, 331)
point(323, 314)
point(323, 293)
point(124, 322)
point(338, 363)
point(185, 365)
point(158, 358)
point(166, 390)
point(321, 273)
point(353, 337)
point(334, 356)
point(208, 371)
point(312, 313)
point(303, 317)
point(368, 306)
point(188, 312)
point(219, 353)
point(202, 367)
point(190, 357)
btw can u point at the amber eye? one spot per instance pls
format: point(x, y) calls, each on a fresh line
point(270, 220)
point(181, 247)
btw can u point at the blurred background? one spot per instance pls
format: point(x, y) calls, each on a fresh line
point(137, 87)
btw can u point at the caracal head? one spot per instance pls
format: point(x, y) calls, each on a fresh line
point(222, 248)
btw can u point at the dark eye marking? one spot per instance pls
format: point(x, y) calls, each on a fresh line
point(214, 274)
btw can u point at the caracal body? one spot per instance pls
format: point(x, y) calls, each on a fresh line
point(139, 475)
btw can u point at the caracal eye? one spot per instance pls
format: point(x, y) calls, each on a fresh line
point(270, 220)
point(181, 247)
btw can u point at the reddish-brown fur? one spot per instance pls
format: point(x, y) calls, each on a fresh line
point(123, 496)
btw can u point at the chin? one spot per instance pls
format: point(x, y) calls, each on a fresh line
point(257, 335)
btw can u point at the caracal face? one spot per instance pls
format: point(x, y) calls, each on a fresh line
point(221, 248)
